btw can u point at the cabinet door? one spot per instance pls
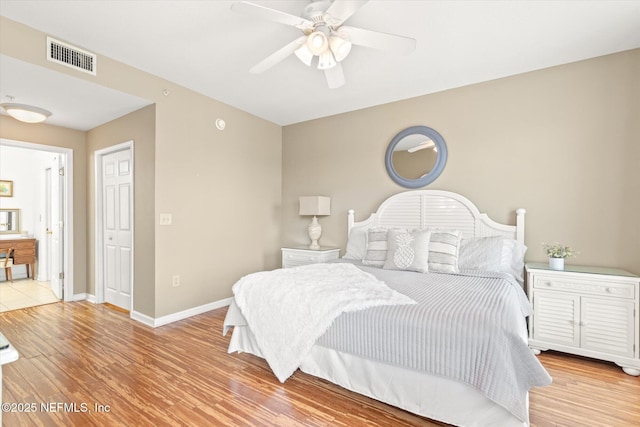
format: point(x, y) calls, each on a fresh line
point(556, 318)
point(608, 326)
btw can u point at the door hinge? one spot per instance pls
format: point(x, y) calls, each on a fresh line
point(61, 275)
point(61, 171)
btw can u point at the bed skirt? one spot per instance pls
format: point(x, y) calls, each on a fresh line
point(431, 396)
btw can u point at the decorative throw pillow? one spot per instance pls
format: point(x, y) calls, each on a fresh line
point(444, 247)
point(481, 253)
point(376, 247)
point(357, 244)
point(408, 250)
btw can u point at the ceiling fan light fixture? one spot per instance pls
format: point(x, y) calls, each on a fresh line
point(317, 43)
point(26, 113)
point(326, 61)
point(340, 46)
point(304, 54)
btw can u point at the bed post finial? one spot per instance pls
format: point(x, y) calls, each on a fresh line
point(520, 224)
point(351, 218)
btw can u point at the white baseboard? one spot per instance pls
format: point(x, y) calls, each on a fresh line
point(82, 297)
point(169, 318)
point(181, 315)
point(143, 318)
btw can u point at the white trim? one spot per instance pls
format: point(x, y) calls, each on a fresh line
point(90, 298)
point(143, 318)
point(80, 297)
point(185, 314)
point(181, 315)
point(68, 207)
point(99, 276)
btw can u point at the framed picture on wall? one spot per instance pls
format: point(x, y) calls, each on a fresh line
point(6, 188)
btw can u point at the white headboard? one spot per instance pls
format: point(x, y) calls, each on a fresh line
point(442, 209)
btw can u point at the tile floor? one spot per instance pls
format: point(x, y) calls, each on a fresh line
point(24, 293)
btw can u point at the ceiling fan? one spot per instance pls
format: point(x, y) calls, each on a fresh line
point(324, 36)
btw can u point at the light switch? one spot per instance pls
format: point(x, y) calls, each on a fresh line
point(165, 219)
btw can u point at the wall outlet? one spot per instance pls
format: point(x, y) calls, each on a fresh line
point(175, 281)
point(166, 219)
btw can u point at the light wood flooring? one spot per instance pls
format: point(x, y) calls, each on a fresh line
point(24, 293)
point(83, 355)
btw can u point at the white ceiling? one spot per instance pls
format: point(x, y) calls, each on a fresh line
point(206, 47)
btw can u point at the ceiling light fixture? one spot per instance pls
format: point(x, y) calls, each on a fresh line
point(317, 42)
point(26, 113)
point(304, 54)
point(326, 61)
point(340, 46)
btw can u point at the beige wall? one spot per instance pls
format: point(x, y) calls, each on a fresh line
point(139, 127)
point(222, 187)
point(61, 137)
point(561, 142)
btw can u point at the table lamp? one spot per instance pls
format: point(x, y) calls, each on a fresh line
point(315, 205)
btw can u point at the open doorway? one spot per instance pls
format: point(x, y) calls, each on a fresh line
point(43, 178)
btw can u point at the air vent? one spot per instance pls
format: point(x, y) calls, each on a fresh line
point(71, 56)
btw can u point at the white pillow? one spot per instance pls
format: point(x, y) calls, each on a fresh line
point(512, 259)
point(481, 253)
point(408, 250)
point(444, 247)
point(376, 247)
point(493, 253)
point(357, 243)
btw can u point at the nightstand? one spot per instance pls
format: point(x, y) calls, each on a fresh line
point(588, 311)
point(293, 257)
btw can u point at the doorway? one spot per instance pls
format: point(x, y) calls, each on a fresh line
point(39, 167)
point(114, 225)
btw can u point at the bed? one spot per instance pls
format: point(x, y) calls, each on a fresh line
point(455, 351)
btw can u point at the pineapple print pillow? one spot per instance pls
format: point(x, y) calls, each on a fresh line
point(408, 250)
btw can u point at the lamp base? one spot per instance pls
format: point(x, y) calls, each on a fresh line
point(315, 231)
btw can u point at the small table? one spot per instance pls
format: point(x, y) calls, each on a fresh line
point(588, 311)
point(7, 355)
point(296, 256)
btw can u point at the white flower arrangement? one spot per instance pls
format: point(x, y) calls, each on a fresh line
point(556, 250)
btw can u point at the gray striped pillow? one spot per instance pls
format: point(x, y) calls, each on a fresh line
point(376, 247)
point(444, 248)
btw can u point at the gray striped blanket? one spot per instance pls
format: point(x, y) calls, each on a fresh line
point(464, 327)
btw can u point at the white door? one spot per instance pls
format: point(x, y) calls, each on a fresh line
point(55, 232)
point(117, 202)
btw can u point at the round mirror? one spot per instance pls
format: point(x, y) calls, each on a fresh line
point(416, 157)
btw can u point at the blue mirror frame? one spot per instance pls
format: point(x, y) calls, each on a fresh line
point(429, 177)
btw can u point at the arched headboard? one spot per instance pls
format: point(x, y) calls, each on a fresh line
point(438, 209)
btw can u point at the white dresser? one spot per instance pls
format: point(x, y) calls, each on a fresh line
point(588, 311)
point(293, 257)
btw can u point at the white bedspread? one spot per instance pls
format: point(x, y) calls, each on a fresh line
point(315, 294)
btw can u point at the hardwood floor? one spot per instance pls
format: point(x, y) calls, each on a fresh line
point(86, 355)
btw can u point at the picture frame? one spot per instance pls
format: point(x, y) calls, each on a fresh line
point(6, 188)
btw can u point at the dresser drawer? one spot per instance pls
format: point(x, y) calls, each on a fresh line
point(24, 252)
point(24, 259)
point(24, 244)
point(608, 288)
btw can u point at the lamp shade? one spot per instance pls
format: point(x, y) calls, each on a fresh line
point(315, 205)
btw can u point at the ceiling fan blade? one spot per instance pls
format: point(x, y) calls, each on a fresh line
point(271, 15)
point(341, 10)
point(334, 76)
point(278, 56)
point(377, 40)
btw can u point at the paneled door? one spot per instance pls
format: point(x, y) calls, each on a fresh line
point(117, 191)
